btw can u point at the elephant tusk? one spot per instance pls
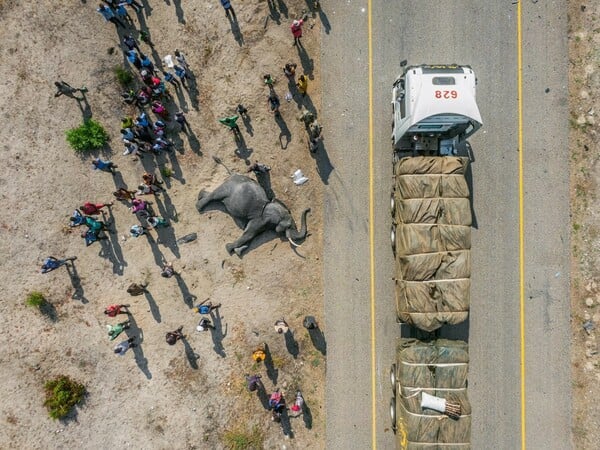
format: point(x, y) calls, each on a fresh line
point(293, 243)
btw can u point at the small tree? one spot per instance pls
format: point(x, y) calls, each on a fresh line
point(35, 299)
point(89, 136)
point(124, 76)
point(62, 394)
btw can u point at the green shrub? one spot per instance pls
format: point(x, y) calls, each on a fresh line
point(62, 393)
point(166, 172)
point(240, 439)
point(124, 76)
point(89, 136)
point(35, 299)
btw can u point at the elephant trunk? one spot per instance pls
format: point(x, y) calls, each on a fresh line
point(298, 235)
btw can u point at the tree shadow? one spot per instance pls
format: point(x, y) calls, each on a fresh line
point(272, 371)
point(218, 334)
point(318, 340)
point(140, 359)
point(324, 166)
point(48, 310)
point(291, 344)
point(188, 297)
point(153, 306)
point(284, 131)
point(78, 292)
point(190, 354)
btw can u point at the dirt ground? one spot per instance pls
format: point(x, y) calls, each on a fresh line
point(584, 86)
point(191, 395)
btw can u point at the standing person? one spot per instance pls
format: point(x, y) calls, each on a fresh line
point(137, 289)
point(273, 103)
point(269, 81)
point(253, 381)
point(115, 330)
point(259, 355)
point(113, 310)
point(159, 109)
point(242, 111)
point(289, 71)
point(169, 77)
point(230, 122)
point(180, 57)
point(205, 325)
point(132, 4)
point(181, 72)
point(277, 404)
point(105, 166)
point(122, 13)
point(314, 136)
point(302, 84)
point(131, 43)
point(138, 205)
point(182, 121)
point(64, 88)
point(109, 15)
point(206, 308)
point(296, 28)
point(173, 336)
point(90, 209)
point(124, 195)
point(298, 404)
point(310, 323)
point(281, 326)
point(123, 346)
point(167, 270)
point(258, 168)
point(147, 62)
point(51, 263)
point(134, 59)
point(229, 12)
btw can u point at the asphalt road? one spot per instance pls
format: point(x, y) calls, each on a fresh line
point(484, 36)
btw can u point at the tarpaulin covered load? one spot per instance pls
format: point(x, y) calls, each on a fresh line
point(432, 240)
point(438, 368)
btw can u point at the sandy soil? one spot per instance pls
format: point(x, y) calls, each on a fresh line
point(190, 395)
point(584, 37)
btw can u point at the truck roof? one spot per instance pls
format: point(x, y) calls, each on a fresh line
point(440, 91)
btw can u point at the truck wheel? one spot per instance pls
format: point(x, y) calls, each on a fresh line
point(393, 413)
point(393, 239)
point(393, 205)
point(393, 377)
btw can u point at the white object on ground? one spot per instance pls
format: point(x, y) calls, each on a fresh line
point(168, 61)
point(299, 178)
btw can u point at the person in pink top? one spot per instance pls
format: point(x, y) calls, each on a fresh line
point(296, 28)
point(137, 205)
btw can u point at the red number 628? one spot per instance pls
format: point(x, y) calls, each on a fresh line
point(446, 94)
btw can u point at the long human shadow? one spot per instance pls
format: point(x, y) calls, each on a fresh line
point(236, 31)
point(274, 13)
point(242, 151)
point(322, 15)
point(107, 252)
point(286, 425)
point(158, 256)
point(272, 372)
point(138, 352)
point(283, 9)
point(324, 166)
point(177, 171)
point(262, 395)
point(190, 354)
point(114, 243)
point(84, 107)
point(308, 65)
point(284, 131)
point(166, 207)
point(291, 344)
point(188, 297)
point(181, 99)
point(194, 143)
point(218, 334)
point(307, 415)
point(248, 124)
point(78, 293)
point(179, 11)
point(153, 306)
point(193, 91)
point(318, 340)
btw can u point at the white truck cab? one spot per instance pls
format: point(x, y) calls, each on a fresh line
point(434, 109)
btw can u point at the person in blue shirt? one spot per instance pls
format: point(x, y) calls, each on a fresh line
point(181, 73)
point(229, 12)
point(133, 4)
point(133, 58)
point(147, 63)
point(105, 166)
point(51, 263)
point(109, 15)
point(169, 77)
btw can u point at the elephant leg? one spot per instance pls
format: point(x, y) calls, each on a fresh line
point(204, 198)
point(253, 228)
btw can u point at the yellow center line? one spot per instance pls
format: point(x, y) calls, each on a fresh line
point(521, 218)
point(372, 237)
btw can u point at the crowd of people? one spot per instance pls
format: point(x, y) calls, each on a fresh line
point(143, 135)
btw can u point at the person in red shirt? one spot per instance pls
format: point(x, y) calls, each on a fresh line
point(113, 310)
point(296, 28)
point(90, 209)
